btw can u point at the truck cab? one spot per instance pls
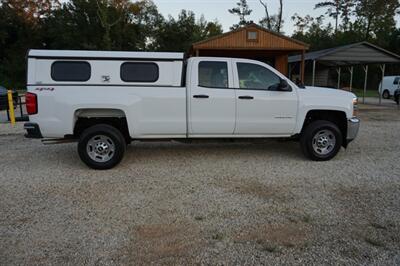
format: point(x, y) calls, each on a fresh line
point(239, 97)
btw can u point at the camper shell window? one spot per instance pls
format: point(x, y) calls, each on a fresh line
point(70, 71)
point(140, 72)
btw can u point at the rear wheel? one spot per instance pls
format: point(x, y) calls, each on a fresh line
point(321, 140)
point(386, 94)
point(101, 146)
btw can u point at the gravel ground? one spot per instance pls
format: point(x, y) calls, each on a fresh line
point(171, 203)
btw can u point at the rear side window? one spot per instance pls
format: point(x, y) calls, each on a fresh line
point(139, 72)
point(396, 81)
point(213, 74)
point(70, 71)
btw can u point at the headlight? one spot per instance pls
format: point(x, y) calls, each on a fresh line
point(355, 106)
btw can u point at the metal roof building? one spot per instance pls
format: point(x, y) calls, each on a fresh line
point(348, 56)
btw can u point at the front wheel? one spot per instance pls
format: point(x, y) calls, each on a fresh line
point(101, 147)
point(386, 94)
point(321, 140)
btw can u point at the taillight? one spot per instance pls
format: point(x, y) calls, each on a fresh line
point(31, 103)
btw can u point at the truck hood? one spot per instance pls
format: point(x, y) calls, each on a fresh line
point(319, 98)
point(310, 91)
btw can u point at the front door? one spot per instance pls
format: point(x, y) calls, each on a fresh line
point(212, 107)
point(261, 108)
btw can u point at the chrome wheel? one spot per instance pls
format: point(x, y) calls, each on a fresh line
point(324, 142)
point(100, 148)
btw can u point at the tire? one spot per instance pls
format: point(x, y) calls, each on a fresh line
point(101, 147)
point(321, 140)
point(386, 94)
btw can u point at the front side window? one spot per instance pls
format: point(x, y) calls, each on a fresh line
point(213, 74)
point(396, 81)
point(139, 72)
point(252, 76)
point(70, 71)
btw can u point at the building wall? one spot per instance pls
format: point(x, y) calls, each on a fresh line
point(281, 64)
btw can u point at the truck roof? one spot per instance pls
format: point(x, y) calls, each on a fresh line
point(86, 54)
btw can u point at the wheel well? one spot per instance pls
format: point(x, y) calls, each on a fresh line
point(85, 118)
point(339, 118)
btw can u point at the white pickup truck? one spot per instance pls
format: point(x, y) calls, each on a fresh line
point(105, 100)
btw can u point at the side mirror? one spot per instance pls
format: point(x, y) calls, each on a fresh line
point(284, 86)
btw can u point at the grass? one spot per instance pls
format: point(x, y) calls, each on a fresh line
point(218, 236)
point(307, 218)
point(369, 93)
point(374, 242)
point(199, 218)
point(270, 247)
point(378, 226)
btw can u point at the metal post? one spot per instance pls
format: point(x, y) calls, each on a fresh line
point(381, 87)
point(351, 69)
point(365, 82)
point(11, 107)
point(339, 70)
point(20, 106)
point(303, 66)
point(313, 73)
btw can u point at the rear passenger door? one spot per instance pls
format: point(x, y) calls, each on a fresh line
point(212, 106)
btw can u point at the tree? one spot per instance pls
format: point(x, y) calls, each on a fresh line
point(20, 30)
point(32, 10)
point(272, 22)
point(242, 10)
point(104, 9)
point(333, 10)
point(376, 16)
point(279, 25)
point(266, 21)
point(179, 34)
point(346, 10)
point(119, 25)
point(339, 9)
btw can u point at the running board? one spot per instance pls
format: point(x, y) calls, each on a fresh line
point(57, 141)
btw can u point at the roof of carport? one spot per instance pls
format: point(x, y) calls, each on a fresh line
point(353, 54)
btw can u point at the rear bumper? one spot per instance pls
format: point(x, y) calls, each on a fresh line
point(353, 125)
point(32, 131)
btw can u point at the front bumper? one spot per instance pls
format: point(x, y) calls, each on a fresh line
point(32, 131)
point(353, 125)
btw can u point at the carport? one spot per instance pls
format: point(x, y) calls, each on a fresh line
point(346, 58)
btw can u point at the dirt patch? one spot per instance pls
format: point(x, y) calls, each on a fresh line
point(271, 237)
point(364, 219)
point(162, 243)
point(383, 115)
point(253, 188)
point(362, 202)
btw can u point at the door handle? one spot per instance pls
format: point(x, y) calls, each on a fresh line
point(246, 97)
point(202, 96)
